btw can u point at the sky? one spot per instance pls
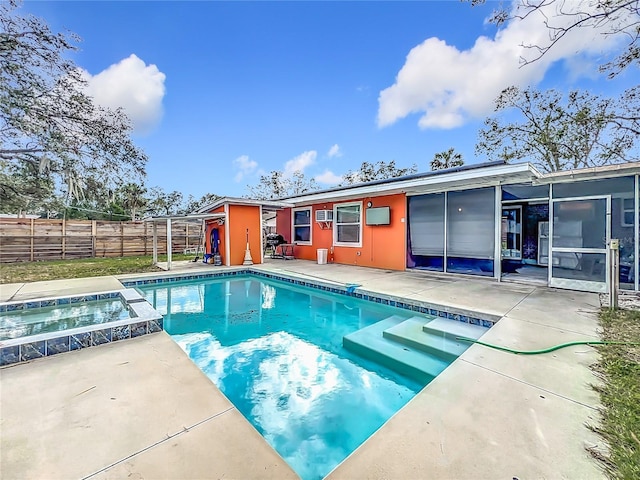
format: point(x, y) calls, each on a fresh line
point(220, 93)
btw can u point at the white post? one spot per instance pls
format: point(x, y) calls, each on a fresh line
point(227, 241)
point(261, 236)
point(497, 250)
point(168, 244)
point(155, 243)
point(614, 276)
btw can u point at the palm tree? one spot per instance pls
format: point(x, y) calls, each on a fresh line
point(132, 196)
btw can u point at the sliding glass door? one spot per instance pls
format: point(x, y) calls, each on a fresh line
point(453, 231)
point(580, 231)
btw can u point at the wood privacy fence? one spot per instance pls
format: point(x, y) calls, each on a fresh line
point(23, 240)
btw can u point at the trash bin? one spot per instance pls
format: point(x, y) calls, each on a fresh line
point(322, 256)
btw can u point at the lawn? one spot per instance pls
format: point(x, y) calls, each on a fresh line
point(619, 367)
point(87, 267)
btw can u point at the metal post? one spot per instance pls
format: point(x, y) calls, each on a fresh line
point(614, 275)
point(168, 244)
point(155, 243)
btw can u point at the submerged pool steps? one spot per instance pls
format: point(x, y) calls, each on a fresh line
point(416, 347)
point(370, 343)
point(452, 329)
point(411, 333)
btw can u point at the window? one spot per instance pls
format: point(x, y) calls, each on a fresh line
point(347, 229)
point(628, 211)
point(302, 225)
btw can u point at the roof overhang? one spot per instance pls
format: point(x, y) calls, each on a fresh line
point(605, 171)
point(265, 204)
point(490, 175)
point(193, 216)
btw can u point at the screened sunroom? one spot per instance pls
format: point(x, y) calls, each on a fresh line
point(554, 230)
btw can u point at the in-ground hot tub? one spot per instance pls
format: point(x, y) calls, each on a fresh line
point(38, 328)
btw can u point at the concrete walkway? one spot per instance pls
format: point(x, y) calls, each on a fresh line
point(133, 409)
point(10, 292)
point(490, 414)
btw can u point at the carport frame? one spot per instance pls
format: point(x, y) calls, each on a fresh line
point(169, 220)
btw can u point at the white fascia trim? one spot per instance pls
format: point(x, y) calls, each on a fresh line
point(293, 226)
point(244, 201)
point(402, 186)
point(194, 216)
point(336, 243)
point(605, 171)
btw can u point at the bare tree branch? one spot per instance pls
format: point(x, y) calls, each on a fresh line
point(610, 17)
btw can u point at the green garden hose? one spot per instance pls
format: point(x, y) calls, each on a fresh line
point(545, 350)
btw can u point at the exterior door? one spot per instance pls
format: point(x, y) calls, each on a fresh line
point(580, 229)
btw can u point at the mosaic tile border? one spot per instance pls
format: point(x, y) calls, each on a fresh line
point(144, 320)
point(54, 302)
point(473, 318)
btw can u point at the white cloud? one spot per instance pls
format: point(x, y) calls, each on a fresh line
point(133, 85)
point(449, 86)
point(245, 166)
point(299, 163)
point(328, 178)
point(334, 151)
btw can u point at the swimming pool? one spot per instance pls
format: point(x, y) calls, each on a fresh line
point(276, 351)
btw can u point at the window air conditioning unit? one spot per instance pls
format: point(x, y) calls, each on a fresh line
point(324, 215)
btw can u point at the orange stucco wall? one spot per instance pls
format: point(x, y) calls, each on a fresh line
point(240, 218)
point(383, 246)
point(283, 223)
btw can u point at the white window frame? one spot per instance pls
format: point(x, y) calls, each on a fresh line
point(336, 224)
point(293, 225)
point(626, 210)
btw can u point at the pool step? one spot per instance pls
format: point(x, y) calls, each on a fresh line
point(370, 343)
point(412, 334)
point(452, 329)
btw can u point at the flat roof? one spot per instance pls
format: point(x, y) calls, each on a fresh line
point(604, 171)
point(265, 204)
point(191, 216)
point(483, 174)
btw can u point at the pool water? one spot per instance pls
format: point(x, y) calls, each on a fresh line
point(275, 350)
point(34, 321)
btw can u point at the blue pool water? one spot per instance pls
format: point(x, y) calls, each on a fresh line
point(27, 322)
point(275, 350)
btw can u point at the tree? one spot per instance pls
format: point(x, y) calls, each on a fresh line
point(376, 171)
point(24, 189)
point(163, 203)
point(47, 121)
point(275, 185)
point(554, 133)
point(132, 198)
point(192, 205)
point(620, 18)
point(447, 159)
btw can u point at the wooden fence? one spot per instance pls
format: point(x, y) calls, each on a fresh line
point(23, 240)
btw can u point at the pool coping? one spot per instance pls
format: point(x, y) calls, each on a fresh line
point(143, 320)
point(486, 320)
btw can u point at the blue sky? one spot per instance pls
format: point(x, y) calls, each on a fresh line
point(221, 92)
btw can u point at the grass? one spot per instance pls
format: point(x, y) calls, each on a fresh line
point(86, 267)
point(619, 367)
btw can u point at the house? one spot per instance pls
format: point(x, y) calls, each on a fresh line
point(499, 220)
point(493, 219)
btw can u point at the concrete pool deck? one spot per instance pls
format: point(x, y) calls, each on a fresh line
point(490, 414)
